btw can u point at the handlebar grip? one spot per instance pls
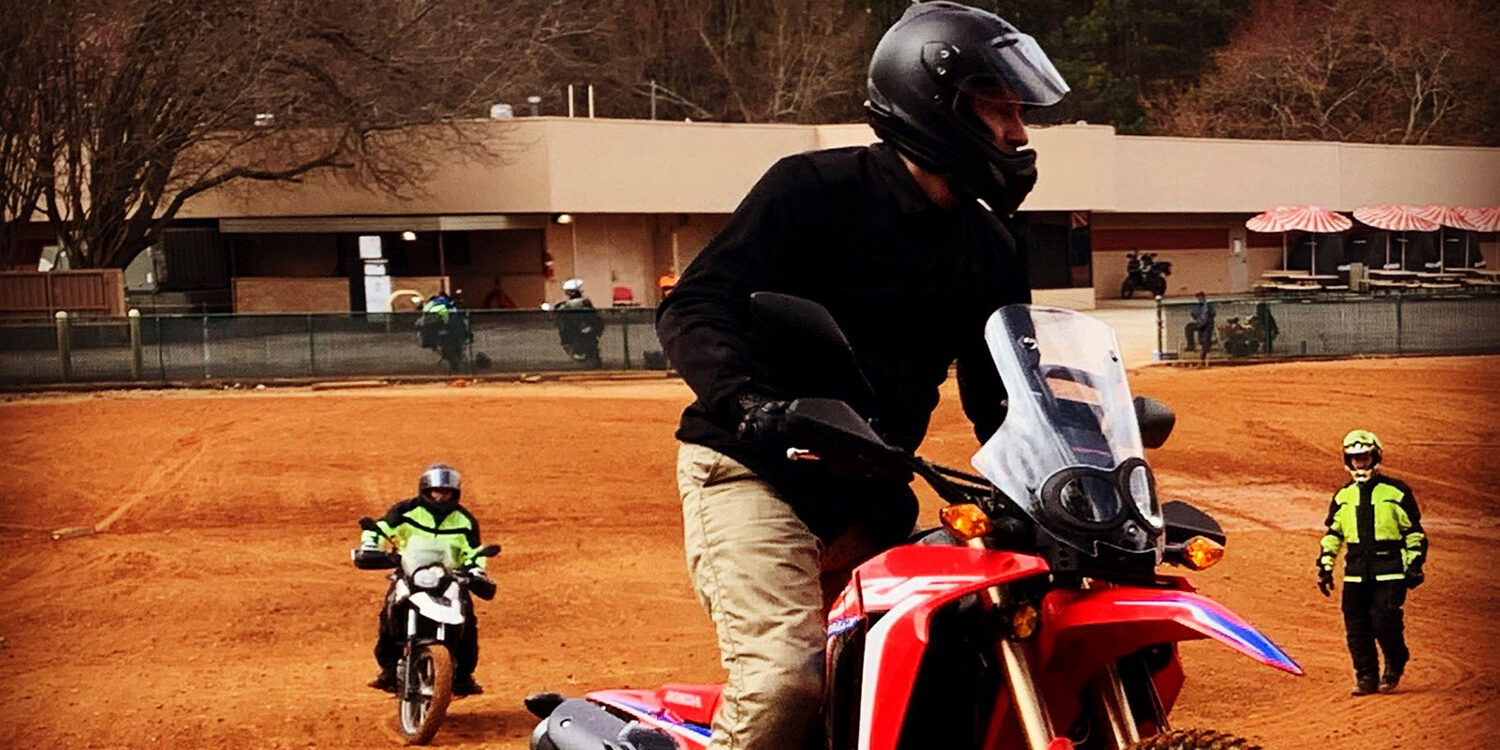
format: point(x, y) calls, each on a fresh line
point(374, 559)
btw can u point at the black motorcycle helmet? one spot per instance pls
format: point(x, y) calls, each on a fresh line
point(919, 75)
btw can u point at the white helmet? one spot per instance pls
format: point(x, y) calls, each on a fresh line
point(572, 285)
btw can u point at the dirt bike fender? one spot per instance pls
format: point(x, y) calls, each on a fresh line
point(448, 609)
point(648, 714)
point(580, 724)
point(910, 584)
point(1101, 624)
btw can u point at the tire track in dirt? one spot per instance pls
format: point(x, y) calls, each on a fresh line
point(164, 477)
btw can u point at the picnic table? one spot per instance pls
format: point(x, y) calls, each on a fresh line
point(1284, 275)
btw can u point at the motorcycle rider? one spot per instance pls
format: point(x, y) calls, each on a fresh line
point(1377, 517)
point(911, 244)
point(579, 325)
point(443, 328)
point(434, 512)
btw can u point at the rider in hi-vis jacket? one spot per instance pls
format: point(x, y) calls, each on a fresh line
point(434, 512)
point(1377, 517)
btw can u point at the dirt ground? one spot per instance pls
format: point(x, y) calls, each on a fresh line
point(218, 608)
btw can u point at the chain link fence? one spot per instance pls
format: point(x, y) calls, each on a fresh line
point(193, 348)
point(1265, 329)
point(159, 349)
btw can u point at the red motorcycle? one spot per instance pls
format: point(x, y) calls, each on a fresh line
point(1038, 617)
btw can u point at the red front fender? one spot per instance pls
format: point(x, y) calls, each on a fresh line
point(1093, 626)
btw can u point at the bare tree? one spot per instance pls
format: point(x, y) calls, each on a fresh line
point(1384, 71)
point(20, 176)
point(147, 103)
point(744, 61)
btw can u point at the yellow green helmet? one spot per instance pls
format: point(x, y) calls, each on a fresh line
point(1359, 442)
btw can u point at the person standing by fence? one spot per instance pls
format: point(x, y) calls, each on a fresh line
point(1200, 330)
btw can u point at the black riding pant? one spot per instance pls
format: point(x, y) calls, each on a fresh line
point(1372, 614)
point(1202, 338)
point(392, 639)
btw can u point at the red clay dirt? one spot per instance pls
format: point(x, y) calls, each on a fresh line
point(218, 608)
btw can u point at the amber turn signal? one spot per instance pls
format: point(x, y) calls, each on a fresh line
point(965, 521)
point(1024, 621)
point(1201, 553)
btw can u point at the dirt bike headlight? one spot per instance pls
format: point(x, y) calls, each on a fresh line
point(429, 577)
point(965, 521)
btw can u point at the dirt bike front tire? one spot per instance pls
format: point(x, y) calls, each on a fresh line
point(418, 718)
point(1194, 739)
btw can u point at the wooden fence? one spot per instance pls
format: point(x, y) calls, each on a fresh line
point(43, 293)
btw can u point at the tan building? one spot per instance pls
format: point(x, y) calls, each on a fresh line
point(623, 202)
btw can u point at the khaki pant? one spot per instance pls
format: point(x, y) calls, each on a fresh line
point(761, 576)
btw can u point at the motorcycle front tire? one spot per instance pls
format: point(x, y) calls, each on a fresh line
point(420, 707)
point(1194, 739)
point(1127, 289)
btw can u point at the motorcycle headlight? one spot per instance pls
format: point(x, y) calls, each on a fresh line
point(1088, 499)
point(1142, 486)
point(429, 577)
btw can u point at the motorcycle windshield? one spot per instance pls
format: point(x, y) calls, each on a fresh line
point(1071, 420)
point(420, 551)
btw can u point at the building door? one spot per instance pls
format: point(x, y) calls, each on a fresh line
point(1239, 263)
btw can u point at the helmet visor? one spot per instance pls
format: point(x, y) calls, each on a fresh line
point(1015, 68)
point(440, 476)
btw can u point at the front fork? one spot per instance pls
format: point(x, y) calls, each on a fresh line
point(1107, 690)
point(410, 684)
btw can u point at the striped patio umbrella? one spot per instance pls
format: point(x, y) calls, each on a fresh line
point(1317, 219)
point(1395, 217)
point(1486, 219)
point(1448, 216)
point(1271, 222)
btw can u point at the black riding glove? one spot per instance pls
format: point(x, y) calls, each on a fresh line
point(1414, 577)
point(1325, 581)
point(762, 419)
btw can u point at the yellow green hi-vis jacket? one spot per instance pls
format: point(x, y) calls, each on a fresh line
point(1380, 522)
point(413, 517)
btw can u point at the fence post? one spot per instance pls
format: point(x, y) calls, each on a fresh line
point(312, 349)
point(1161, 330)
point(64, 344)
point(1398, 324)
point(625, 335)
point(206, 372)
point(134, 317)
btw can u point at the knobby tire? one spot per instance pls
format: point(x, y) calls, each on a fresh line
point(440, 683)
point(1194, 739)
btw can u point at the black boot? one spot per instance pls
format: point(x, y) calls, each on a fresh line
point(385, 681)
point(1365, 686)
point(1392, 677)
point(465, 685)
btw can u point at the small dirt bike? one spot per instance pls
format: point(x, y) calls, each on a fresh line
point(1036, 618)
point(1142, 271)
point(431, 588)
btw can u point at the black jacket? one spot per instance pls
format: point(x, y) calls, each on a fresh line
point(910, 284)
